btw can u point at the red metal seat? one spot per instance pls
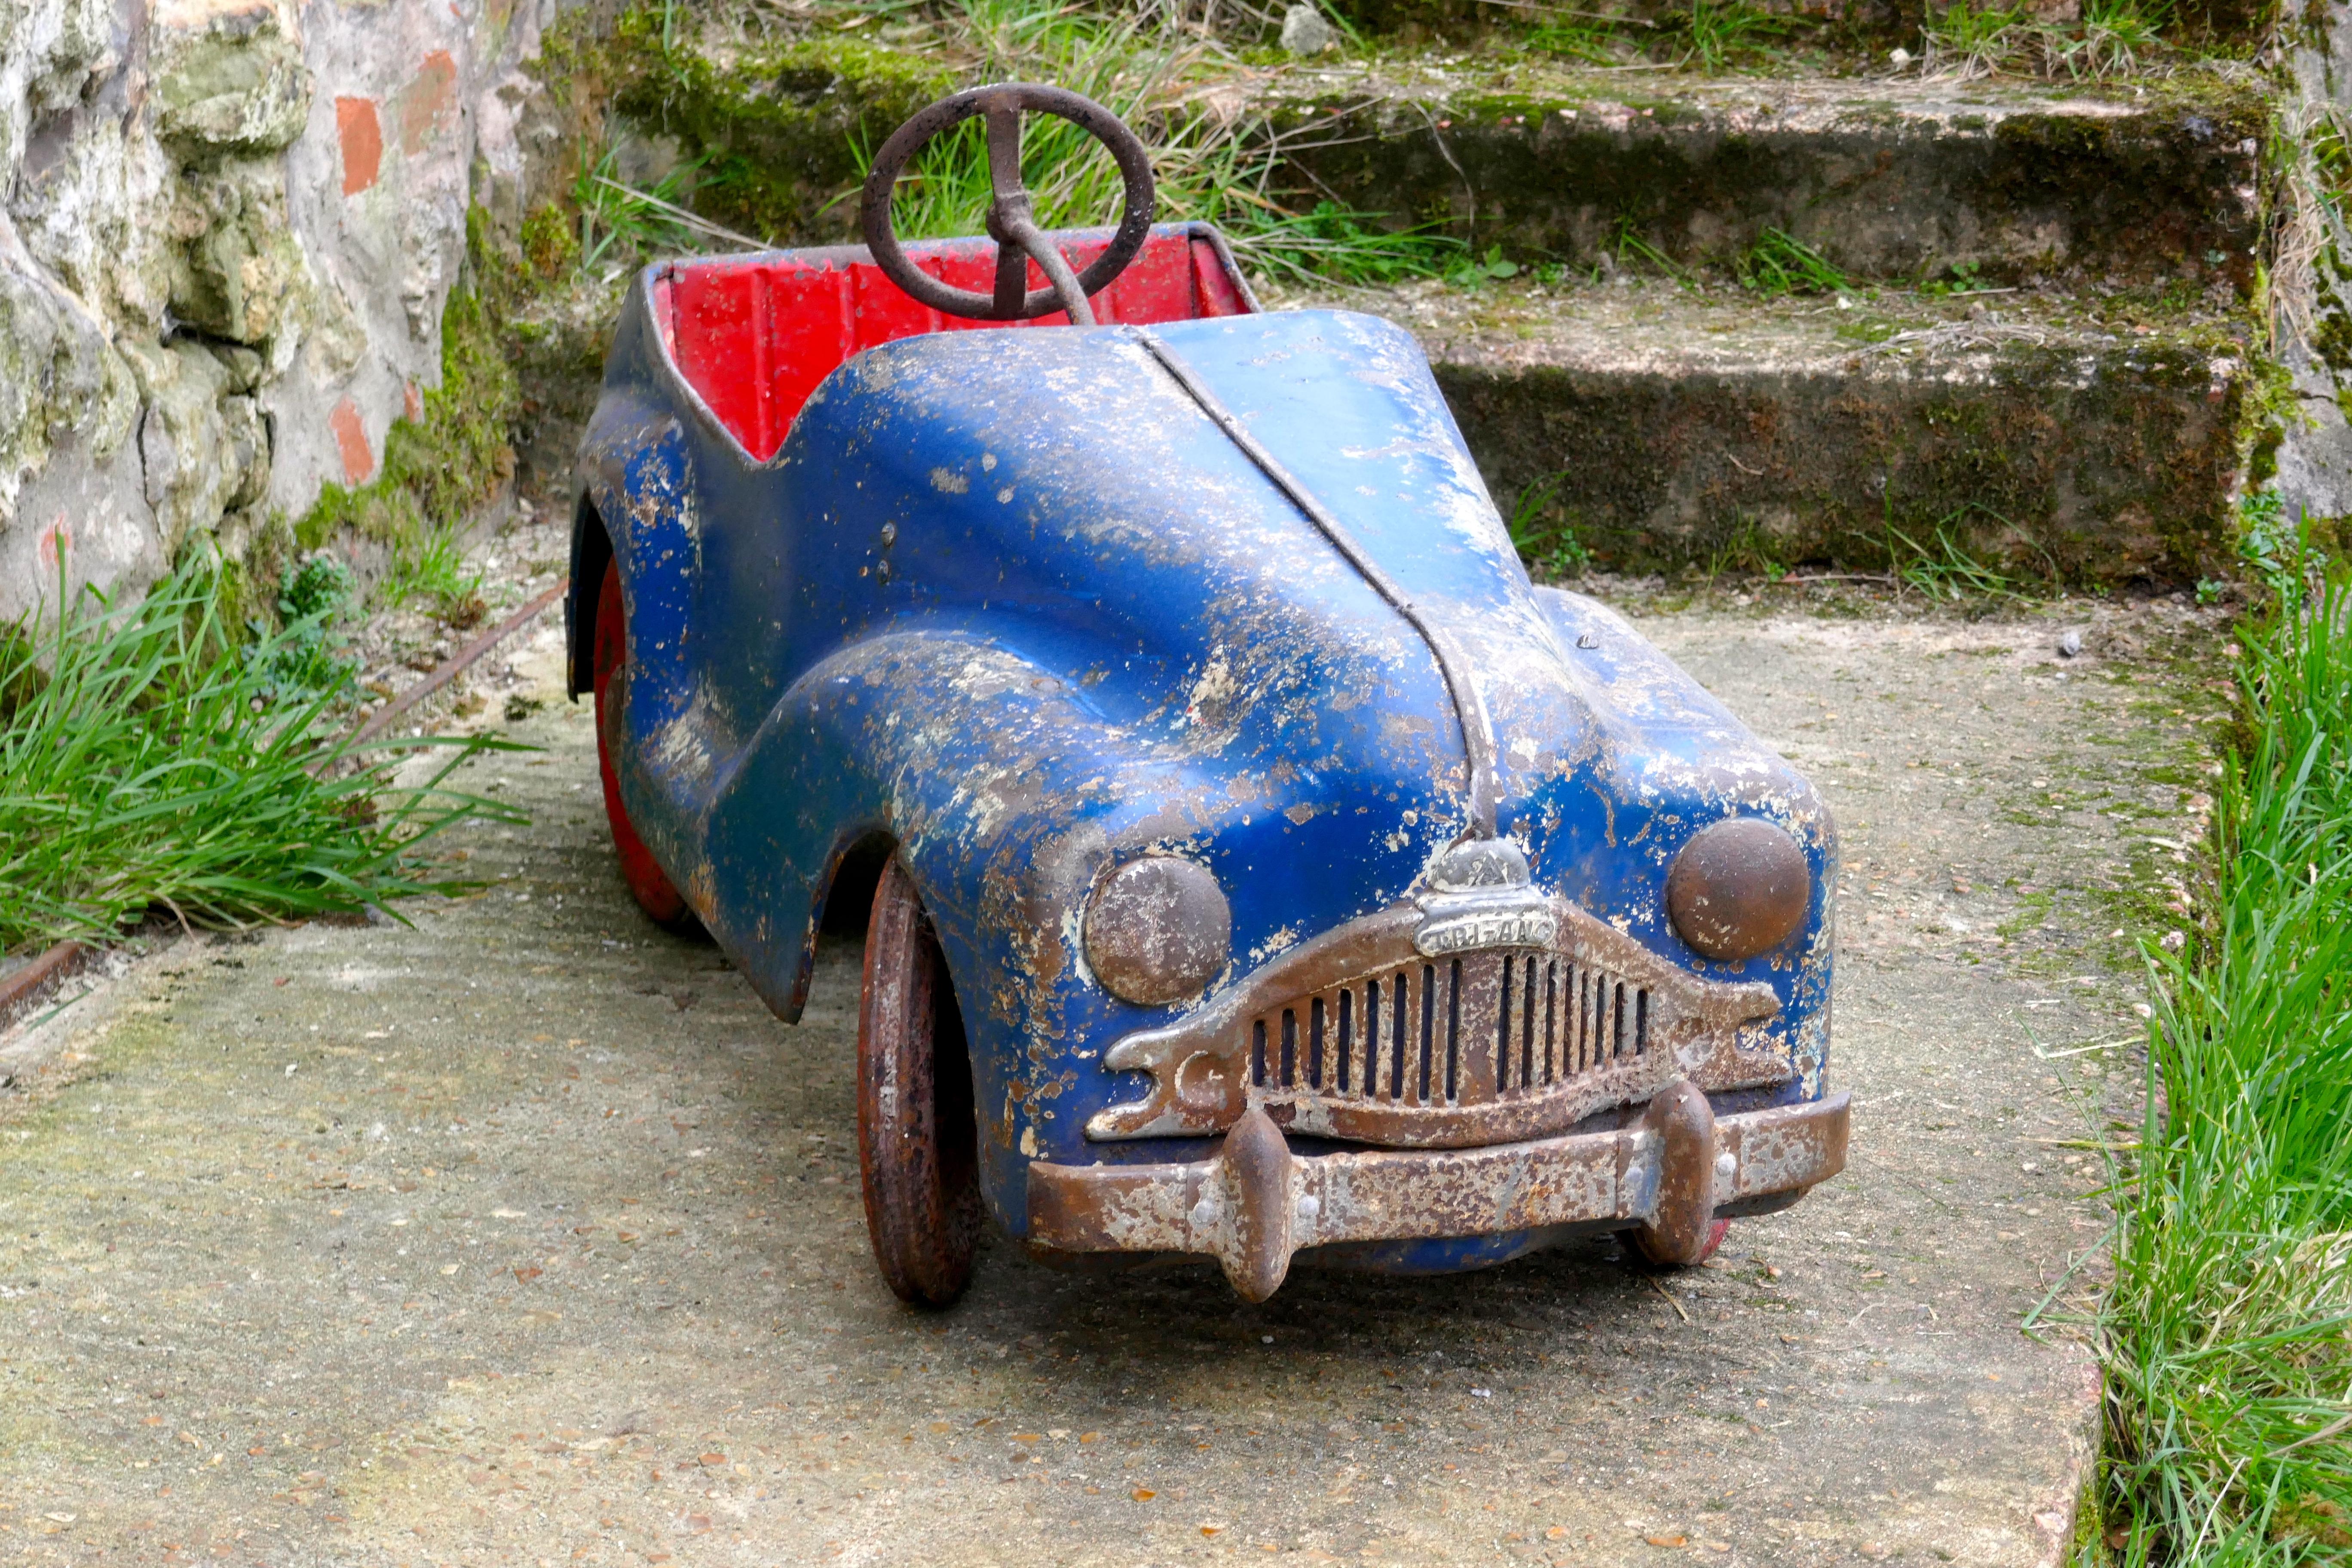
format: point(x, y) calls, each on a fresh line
point(754, 334)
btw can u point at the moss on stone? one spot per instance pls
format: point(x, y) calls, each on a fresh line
point(550, 241)
point(775, 124)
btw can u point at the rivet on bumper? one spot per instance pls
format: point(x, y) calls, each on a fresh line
point(1255, 1203)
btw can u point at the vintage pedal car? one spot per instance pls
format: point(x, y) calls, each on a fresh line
point(1252, 862)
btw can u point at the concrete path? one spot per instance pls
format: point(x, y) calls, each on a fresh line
point(528, 1236)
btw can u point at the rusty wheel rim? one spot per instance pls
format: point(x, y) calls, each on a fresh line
point(916, 1144)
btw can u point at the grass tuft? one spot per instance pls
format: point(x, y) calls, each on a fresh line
point(2228, 1335)
point(1210, 163)
point(1779, 264)
point(1545, 535)
point(148, 759)
point(2113, 39)
point(1713, 35)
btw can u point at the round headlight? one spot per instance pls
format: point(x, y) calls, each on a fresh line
point(1739, 887)
point(1158, 930)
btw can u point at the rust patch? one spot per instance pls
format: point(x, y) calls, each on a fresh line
point(1224, 1208)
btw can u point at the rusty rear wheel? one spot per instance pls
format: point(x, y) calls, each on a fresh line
point(648, 883)
point(917, 1144)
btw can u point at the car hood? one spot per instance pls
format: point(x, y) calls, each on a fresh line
point(1061, 493)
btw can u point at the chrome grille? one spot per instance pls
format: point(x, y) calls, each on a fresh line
point(1364, 1035)
point(1464, 1031)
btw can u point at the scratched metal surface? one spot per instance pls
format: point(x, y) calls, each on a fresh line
point(1014, 603)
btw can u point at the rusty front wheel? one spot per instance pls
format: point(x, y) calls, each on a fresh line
point(917, 1144)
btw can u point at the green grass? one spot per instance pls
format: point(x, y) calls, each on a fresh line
point(435, 572)
point(1698, 35)
point(1714, 35)
point(1938, 561)
point(622, 223)
point(306, 656)
point(1594, 38)
point(1547, 541)
point(1972, 40)
point(1630, 247)
point(1329, 241)
point(1209, 166)
point(151, 759)
point(2112, 38)
point(1944, 567)
point(2226, 1336)
point(1778, 264)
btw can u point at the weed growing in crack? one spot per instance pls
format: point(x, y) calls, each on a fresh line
point(149, 760)
point(1746, 547)
point(438, 573)
point(1937, 560)
point(1547, 542)
point(1596, 39)
point(1473, 273)
point(1712, 34)
point(1628, 246)
point(1969, 40)
point(1700, 35)
point(1962, 279)
point(1944, 568)
point(1778, 264)
point(307, 658)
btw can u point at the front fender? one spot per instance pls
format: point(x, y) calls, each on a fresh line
point(1662, 758)
point(1005, 793)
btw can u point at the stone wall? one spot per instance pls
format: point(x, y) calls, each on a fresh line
point(229, 232)
point(2311, 298)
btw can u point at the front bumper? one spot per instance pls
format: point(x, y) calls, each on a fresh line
point(1255, 1204)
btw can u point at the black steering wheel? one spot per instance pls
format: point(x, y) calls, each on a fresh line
point(1010, 221)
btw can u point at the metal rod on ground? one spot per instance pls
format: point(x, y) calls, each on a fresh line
point(450, 668)
point(19, 989)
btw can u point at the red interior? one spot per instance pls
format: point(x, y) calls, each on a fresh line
point(754, 334)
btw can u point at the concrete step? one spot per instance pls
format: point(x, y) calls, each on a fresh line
point(2092, 422)
point(1653, 427)
point(2134, 184)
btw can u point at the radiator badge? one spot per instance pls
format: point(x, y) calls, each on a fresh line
point(1480, 896)
point(1466, 924)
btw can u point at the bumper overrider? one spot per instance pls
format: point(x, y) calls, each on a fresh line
point(1473, 1040)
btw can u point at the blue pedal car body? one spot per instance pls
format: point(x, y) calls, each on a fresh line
point(1277, 872)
